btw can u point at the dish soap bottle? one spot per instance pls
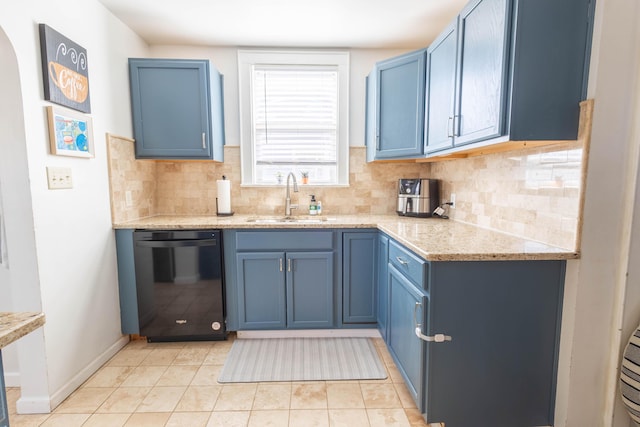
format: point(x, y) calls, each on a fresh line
point(313, 206)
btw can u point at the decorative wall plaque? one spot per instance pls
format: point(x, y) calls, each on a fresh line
point(65, 71)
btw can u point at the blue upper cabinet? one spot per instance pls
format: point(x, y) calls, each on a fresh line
point(520, 72)
point(441, 73)
point(399, 106)
point(177, 108)
point(481, 71)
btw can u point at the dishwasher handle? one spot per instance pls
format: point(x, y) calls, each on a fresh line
point(176, 243)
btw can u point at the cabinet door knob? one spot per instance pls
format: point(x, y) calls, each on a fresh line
point(280, 264)
point(204, 140)
point(289, 264)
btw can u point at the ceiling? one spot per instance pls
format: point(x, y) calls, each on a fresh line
point(288, 23)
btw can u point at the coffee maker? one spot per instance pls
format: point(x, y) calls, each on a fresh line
point(417, 197)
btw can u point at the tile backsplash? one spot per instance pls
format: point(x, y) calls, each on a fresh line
point(534, 193)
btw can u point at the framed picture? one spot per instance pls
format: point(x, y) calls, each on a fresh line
point(65, 73)
point(70, 132)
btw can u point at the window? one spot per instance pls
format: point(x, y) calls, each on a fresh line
point(293, 116)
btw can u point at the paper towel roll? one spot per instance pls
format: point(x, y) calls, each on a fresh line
point(224, 196)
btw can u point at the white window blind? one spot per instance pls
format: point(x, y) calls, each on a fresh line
point(295, 120)
point(294, 116)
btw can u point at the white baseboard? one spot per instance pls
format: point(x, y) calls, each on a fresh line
point(59, 396)
point(311, 333)
point(33, 405)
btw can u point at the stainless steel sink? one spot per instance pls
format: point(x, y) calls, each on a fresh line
point(287, 220)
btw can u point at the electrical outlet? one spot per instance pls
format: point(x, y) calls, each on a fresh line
point(452, 200)
point(59, 178)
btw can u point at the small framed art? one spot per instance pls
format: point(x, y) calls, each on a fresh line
point(70, 132)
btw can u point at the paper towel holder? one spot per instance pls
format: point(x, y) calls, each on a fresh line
point(218, 213)
point(222, 213)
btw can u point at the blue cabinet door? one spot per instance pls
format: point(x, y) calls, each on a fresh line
point(261, 290)
point(400, 106)
point(309, 289)
point(482, 71)
point(359, 302)
point(4, 411)
point(382, 283)
point(441, 78)
point(172, 110)
point(407, 349)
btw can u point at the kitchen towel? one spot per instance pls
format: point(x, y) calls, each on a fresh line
point(302, 359)
point(224, 196)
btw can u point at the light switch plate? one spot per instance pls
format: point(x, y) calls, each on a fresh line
point(59, 178)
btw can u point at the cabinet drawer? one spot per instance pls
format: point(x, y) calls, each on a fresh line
point(284, 240)
point(412, 266)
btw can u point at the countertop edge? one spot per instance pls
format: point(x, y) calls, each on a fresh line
point(15, 325)
point(386, 224)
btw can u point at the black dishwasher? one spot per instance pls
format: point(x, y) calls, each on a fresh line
point(180, 284)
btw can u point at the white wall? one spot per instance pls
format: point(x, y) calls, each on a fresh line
point(226, 61)
point(68, 245)
point(597, 283)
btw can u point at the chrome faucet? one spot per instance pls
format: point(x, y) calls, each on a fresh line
point(287, 201)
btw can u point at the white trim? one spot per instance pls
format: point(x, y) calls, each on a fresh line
point(33, 405)
point(247, 58)
point(12, 379)
point(63, 392)
point(312, 333)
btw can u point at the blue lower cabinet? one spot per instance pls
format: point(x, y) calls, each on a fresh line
point(261, 290)
point(277, 290)
point(382, 283)
point(501, 364)
point(4, 411)
point(359, 301)
point(309, 289)
point(407, 350)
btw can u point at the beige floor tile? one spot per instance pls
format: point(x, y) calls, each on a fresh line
point(380, 396)
point(269, 418)
point(85, 400)
point(109, 376)
point(309, 418)
point(13, 394)
point(106, 420)
point(415, 418)
point(236, 397)
point(144, 376)
point(177, 375)
point(161, 399)
point(129, 357)
point(343, 396)
point(31, 420)
point(348, 418)
point(272, 396)
point(395, 374)
point(124, 400)
point(188, 419)
point(387, 418)
point(216, 356)
point(191, 356)
point(148, 420)
point(207, 375)
point(65, 420)
point(199, 399)
point(161, 357)
point(405, 397)
point(229, 419)
point(309, 396)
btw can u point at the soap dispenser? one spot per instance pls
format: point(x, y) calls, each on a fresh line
point(313, 205)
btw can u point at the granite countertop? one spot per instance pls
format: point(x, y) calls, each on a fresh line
point(15, 325)
point(434, 239)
